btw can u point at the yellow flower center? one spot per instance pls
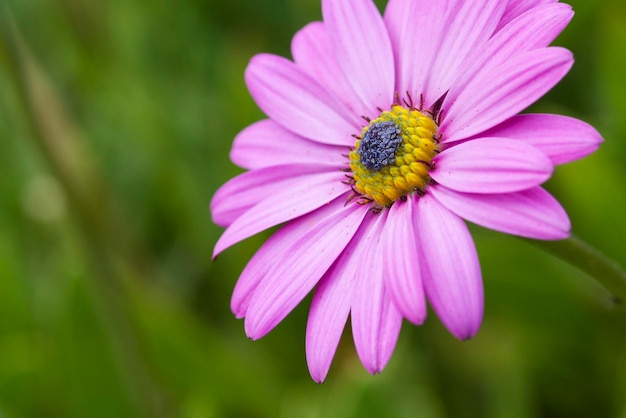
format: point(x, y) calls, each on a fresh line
point(394, 154)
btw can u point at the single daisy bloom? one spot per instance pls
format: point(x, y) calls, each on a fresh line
point(384, 133)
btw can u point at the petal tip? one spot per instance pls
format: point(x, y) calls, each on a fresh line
point(238, 308)
point(318, 375)
point(217, 250)
point(467, 333)
point(374, 369)
point(416, 318)
point(253, 330)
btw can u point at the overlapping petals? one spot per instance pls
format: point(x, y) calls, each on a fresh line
point(267, 144)
point(310, 47)
point(469, 25)
point(295, 100)
point(491, 165)
point(375, 319)
point(474, 64)
point(452, 278)
point(303, 261)
point(331, 306)
point(531, 213)
point(403, 276)
point(307, 194)
point(561, 138)
point(415, 29)
point(515, 8)
point(362, 47)
point(243, 192)
point(534, 29)
point(502, 90)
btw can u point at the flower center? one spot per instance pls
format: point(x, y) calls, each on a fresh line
point(394, 154)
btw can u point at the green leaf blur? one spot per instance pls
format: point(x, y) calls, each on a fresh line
point(116, 119)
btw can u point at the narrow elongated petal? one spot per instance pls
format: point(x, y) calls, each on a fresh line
point(266, 143)
point(561, 138)
point(517, 7)
point(536, 28)
point(470, 24)
point(300, 198)
point(301, 267)
point(491, 165)
point(375, 320)
point(363, 48)
point(241, 193)
point(415, 28)
point(452, 278)
point(296, 101)
point(500, 91)
point(312, 51)
point(402, 274)
point(531, 213)
point(270, 253)
point(331, 305)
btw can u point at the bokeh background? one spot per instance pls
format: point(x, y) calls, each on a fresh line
point(116, 119)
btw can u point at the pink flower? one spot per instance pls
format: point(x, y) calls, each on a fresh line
point(382, 136)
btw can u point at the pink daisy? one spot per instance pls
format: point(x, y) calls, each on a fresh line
point(383, 135)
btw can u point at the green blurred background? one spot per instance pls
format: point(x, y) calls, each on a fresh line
point(116, 121)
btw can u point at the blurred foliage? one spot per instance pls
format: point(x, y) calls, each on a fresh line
point(116, 118)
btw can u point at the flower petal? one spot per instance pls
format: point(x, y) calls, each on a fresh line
point(561, 138)
point(300, 268)
point(292, 98)
point(375, 320)
point(536, 28)
point(491, 165)
point(241, 193)
point(531, 213)
point(517, 7)
point(313, 51)
point(266, 143)
point(308, 194)
point(331, 305)
point(501, 91)
point(402, 275)
point(270, 254)
point(415, 28)
point(452, 278)
point(470, 23)
point(363, 49)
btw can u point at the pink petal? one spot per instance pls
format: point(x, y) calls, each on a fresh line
point(561, 138)
point(303, 263)
point(292, 98)
point(470, 23)
point(517, 7)
point(531, 213)
point(331, 305)
point(451, 270)
point(536, 28)
point(491, 165)
point(241, 193)
point(375, 320)
point(501, 91)
point(266, 143)
point(308, 194)
point(271, 252)
point(363, 49)
point(415, 28)
point(313, 51)
point(402, 275)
